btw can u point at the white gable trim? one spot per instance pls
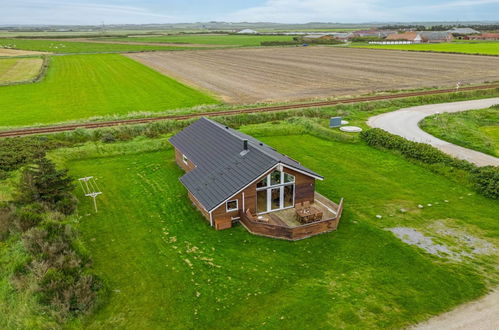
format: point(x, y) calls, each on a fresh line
point(271, 168)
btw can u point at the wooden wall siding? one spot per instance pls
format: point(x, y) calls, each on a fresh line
point(223, 219)
point(199, 207)
point(304, 187)
point(180, 162)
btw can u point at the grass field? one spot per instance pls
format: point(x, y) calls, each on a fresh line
point(478, 129)
point(70, 47)
point(82, 86)
point(166, 268)
point(232, 40)
point(14, 70)
point(484, 48)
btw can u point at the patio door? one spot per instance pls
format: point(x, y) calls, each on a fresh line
point(275, 192)
point(275, 201)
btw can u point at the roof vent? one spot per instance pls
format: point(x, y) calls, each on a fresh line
point(245, 148)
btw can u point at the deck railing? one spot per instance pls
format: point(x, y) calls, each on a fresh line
point(293, 233)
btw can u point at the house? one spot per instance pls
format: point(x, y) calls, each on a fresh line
point(373, 33)
point(413, 37)
point(485, 36)
point(436, 36)
point(312, 37)
point(232, 177)
point(463, 31)
point(247, 31)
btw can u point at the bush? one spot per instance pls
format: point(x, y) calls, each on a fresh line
point(6, 221)
point(108, 138)
point(66, 205)
point(377, 137)
point(279, 43)
point(28, 216)
point(486, 181)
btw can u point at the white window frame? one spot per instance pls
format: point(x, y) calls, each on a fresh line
point(185, 159)
point(227, 205)
point(279, 186)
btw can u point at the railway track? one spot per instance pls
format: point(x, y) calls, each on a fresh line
point(70, 127)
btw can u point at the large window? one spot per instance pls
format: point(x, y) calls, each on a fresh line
point(275, 191)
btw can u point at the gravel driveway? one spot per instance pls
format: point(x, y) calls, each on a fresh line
point(404, 122)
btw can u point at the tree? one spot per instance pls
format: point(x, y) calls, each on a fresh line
point(43, 183)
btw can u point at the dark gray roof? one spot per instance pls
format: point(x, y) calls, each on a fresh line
point(222, 168)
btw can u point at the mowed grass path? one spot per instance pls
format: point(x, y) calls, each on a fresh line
point(484, 48)
point(19, 69)
point(477, 129)
point(230, 40)
point(70, 47)
point(166, 268)
point(82, 86)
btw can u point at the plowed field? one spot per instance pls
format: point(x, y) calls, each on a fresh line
point(299, 73)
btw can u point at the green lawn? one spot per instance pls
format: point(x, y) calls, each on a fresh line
point(14, 70)
point(69, 47)
point(82, 86)
point(477, 129)
point(484, 48)
point(166, 268)
point(230, 40)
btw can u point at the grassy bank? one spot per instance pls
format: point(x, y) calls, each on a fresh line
point(478, 129)
point(482, 48)
point(82, 86)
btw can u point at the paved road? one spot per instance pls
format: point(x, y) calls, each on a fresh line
point(404, 122)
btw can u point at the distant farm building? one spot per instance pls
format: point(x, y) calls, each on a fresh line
point(436, 36)
point(232, 177)
point(373, 33)
point(312, 37)
point(411, 37)
point(485, 36)
point(463, 31)
point(247, 31)
point(415, 37)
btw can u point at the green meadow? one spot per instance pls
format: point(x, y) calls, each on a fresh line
point(82, 86)
point(477, 129)
point(69, 47)
point(229, 40)
point(483, 48)
point(166, 268)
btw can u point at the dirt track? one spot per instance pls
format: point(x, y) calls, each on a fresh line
point(481, 314)
point(299, 73)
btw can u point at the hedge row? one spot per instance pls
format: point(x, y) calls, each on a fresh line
point(485, 179)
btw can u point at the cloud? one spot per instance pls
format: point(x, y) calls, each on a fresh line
point(302, 11)
point(73, 13)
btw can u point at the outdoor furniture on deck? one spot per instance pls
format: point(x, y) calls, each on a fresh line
point(308, 214)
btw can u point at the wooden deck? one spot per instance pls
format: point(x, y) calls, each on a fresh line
point(284, 224)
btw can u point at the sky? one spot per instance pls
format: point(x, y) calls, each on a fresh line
point(81, 12)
